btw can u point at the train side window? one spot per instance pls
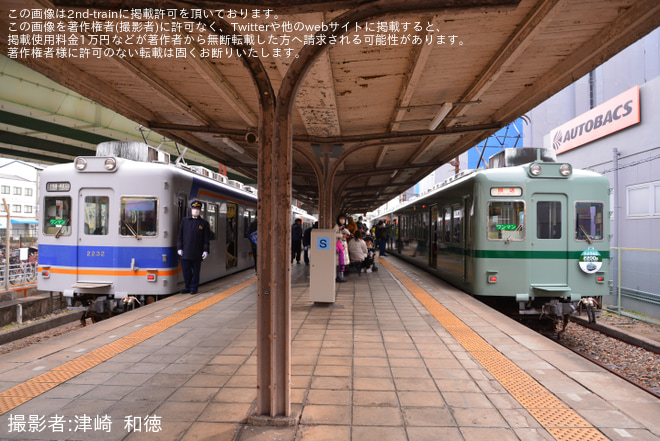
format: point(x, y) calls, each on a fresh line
point(506, 220)
point(57, 215)
point(447, 224)
point(246, 222)
point(212, 218)
point(139, 216)
point(457, 224)
point(548, 220)
point(96, 215)
point(589, 220)
point(182, 209)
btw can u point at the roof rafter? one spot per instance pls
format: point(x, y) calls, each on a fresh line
point(533, 25)
point(222, 85)
point(421, 55)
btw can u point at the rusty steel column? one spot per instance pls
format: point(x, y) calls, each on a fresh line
point(325, 196)
point(279, 182)
point(326, 219)
point(275, 170)
point(273, 208)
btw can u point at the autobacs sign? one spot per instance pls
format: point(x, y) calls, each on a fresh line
point(613, 115)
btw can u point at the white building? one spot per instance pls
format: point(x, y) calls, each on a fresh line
point(18, 190)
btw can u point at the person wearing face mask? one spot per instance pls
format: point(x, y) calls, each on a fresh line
point(342, 234)
point(193, 246)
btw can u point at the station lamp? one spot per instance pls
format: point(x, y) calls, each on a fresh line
point(231, 144)
point(444, 111)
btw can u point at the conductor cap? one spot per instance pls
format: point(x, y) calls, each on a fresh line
point(196, 204)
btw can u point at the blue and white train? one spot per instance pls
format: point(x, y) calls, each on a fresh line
point(109, 223)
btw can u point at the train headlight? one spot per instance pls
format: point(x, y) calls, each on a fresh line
point(535, 169)
point(81, 163)
point(565, 169)
point(110, 164)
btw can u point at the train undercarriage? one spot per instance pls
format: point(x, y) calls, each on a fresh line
point(549, 316)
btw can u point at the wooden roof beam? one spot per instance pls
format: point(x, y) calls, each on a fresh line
point(160, 86)
point(635, 22)
point(381, 156)
point(632, 24)
point(409, 136)
point(535, 22)
point(224, 88)
point(386, 170)
point(288, 6)
point(421, 54)
point(316, 102)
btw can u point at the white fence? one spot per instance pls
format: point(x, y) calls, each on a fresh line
point(19, 274)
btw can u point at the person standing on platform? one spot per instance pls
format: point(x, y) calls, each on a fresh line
point(193, 246)
point(253, 240)
point(307, 241)
point(381, 238)
point(296, 240)
point(352, 226)
point(361, 226)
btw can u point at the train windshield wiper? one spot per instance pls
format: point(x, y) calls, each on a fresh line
point(58, 233)
point(518, 229)
point(132, 230)
point(587, 237)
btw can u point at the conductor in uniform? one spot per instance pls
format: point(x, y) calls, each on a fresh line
point(193, 246)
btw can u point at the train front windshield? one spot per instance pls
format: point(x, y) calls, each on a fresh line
point(139, 216)
point(589, 221)
point(57, 215)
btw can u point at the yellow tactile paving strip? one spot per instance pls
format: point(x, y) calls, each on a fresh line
point(562, 422)
point(17, 395)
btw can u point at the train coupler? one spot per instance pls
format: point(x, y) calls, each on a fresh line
point(558, 309)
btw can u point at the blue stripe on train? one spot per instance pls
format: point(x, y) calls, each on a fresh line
point(106, 257)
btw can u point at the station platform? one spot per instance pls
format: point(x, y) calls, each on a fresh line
point(400, 355)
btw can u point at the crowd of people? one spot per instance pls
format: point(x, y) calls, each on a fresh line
point(355, 244)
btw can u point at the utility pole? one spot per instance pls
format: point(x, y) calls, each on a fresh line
point(7, 248)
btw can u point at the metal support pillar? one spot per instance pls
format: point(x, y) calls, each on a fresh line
point(274, 283)
point(279, 180)
point(274, 235)
point(274, 176)
point(326, 220)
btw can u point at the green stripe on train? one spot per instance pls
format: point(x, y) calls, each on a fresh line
point(501, 254)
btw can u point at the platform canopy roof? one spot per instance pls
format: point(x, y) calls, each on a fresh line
point(403, 87)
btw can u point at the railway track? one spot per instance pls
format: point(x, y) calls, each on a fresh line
point(625, 359)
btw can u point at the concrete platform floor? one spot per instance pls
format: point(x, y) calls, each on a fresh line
point(375, 365)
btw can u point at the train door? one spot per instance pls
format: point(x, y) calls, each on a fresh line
point(433, 255)
point(232, 235)
point(458, 241)
point(96, 240)
point(182, 211)
point(550, 266)
point(467, 238)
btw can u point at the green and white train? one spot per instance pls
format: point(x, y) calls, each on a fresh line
point(533, 237)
